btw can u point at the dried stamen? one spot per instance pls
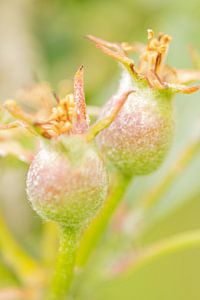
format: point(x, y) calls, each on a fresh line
point(151, 69)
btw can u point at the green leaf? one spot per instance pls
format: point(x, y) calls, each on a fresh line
point(7, 276)
point(168, 269)
point(183, 218)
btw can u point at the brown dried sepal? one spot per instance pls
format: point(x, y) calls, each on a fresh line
point(151, 68)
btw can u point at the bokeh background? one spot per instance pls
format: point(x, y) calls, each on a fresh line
point(43, 40)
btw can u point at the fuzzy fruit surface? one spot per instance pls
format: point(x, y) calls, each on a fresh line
point(138, 139)
point(67, 186)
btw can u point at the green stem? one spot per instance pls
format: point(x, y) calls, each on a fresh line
point(99, 224)
point(62, 278)
point(25, 267)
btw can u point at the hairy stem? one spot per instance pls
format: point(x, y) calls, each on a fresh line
point(27, 269)
point(99, 224)
point(62, 278)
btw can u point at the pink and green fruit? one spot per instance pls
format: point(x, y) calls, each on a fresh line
point(67, 185)
point(140, 136)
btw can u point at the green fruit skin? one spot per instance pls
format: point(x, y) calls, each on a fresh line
point(68, 186)
point(140, 136)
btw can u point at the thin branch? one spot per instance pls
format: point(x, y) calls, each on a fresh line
point(168, 246)
point(178, 167)
point(24, 265)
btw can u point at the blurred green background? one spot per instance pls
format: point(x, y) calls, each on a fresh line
point(43, 40)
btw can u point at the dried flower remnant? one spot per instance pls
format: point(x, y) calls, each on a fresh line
point(151, 69)
point(64, 118)
point(140, 136)
point(67, 179)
